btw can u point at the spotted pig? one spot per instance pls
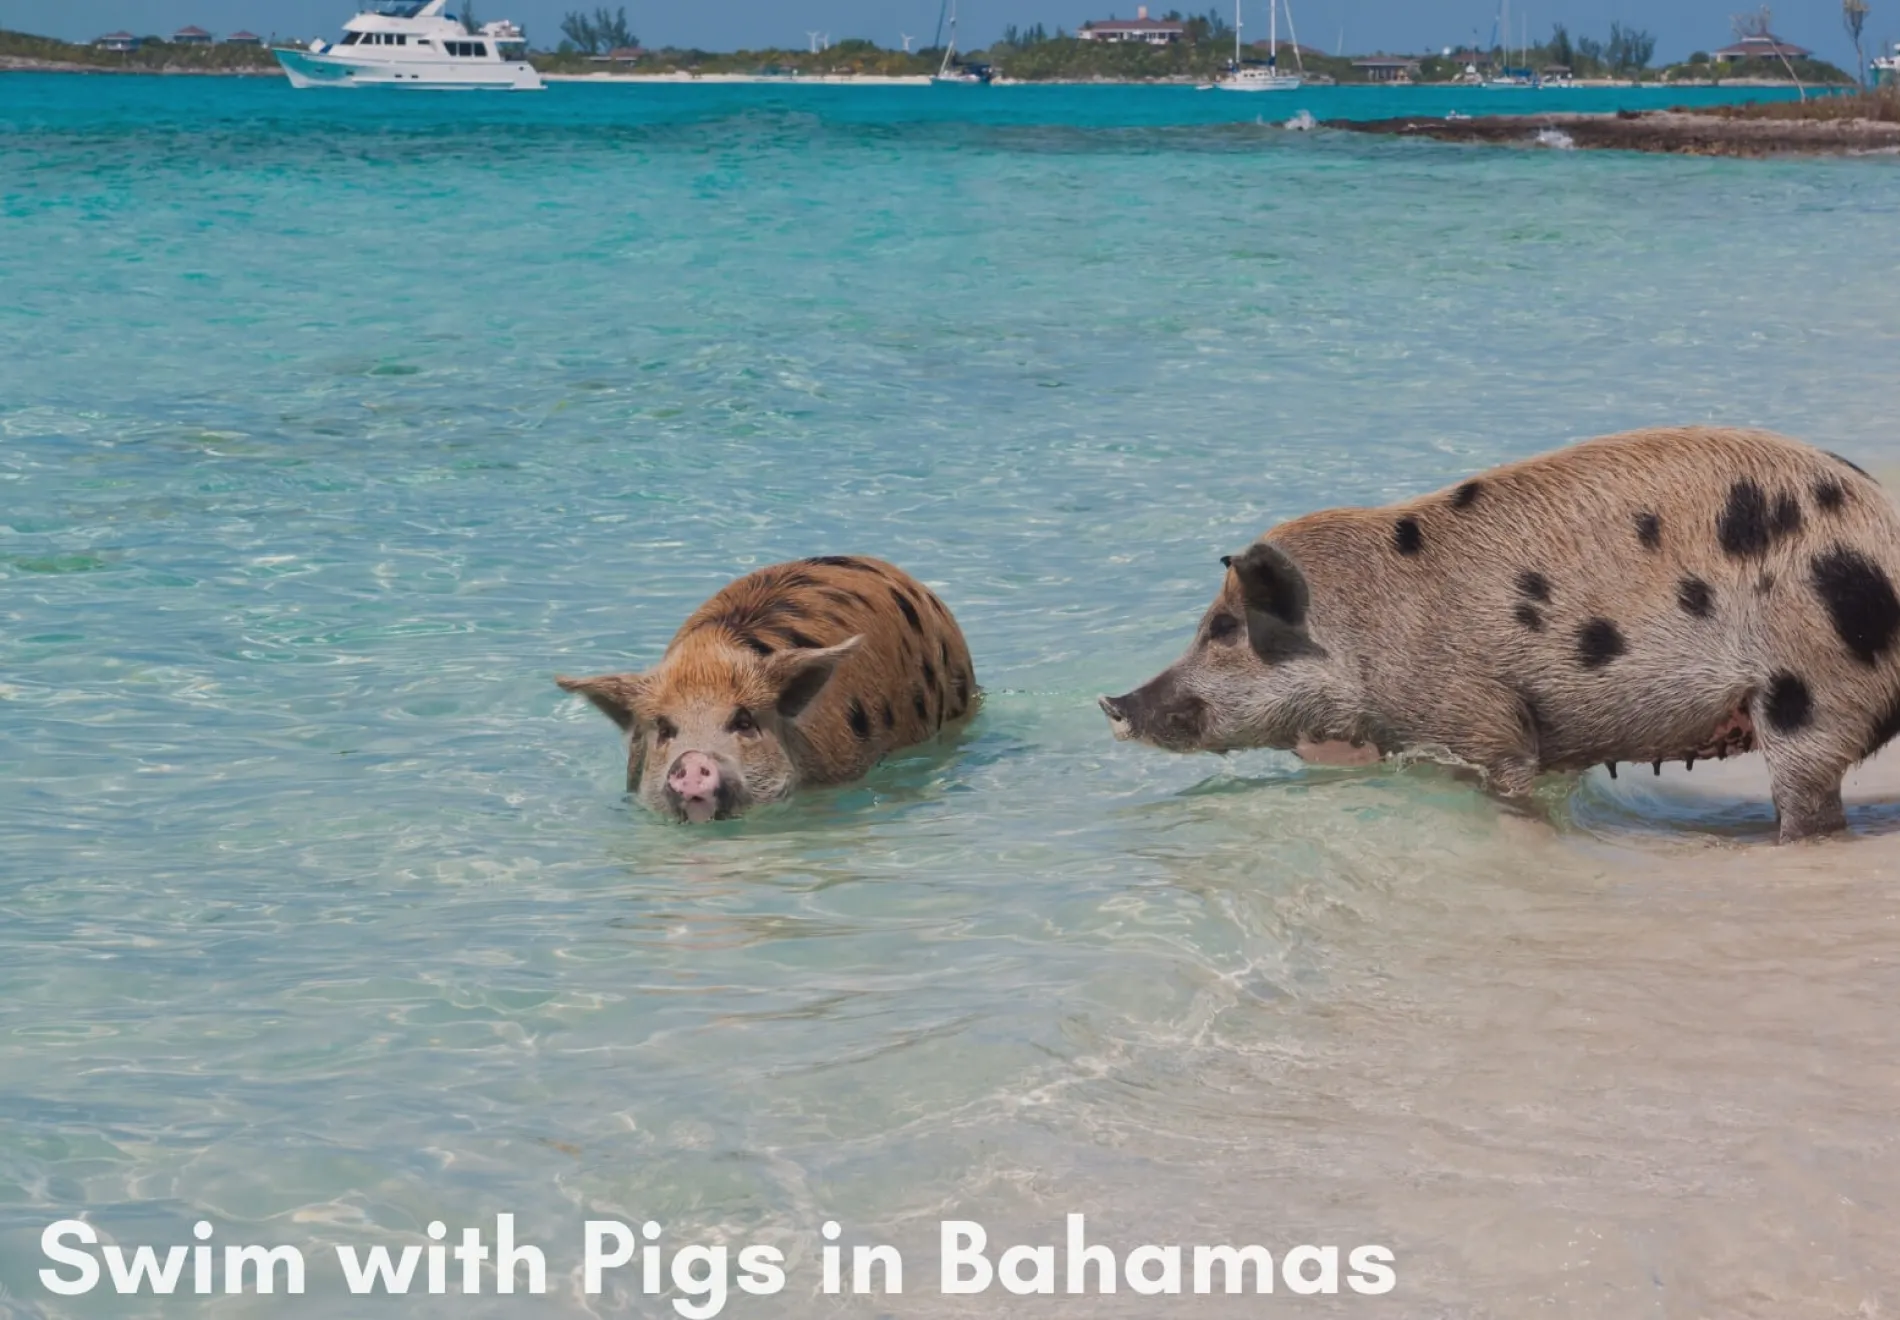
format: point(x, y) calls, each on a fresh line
point(802, 673)
point(1657, 596)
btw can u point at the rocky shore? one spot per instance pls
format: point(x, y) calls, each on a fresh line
point(1674, 131)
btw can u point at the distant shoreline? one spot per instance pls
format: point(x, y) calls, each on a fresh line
point(18, 64)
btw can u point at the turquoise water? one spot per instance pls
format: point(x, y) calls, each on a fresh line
point(334, 426)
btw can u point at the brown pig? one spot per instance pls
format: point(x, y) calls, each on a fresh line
point(804, 673)
point(1660, 595)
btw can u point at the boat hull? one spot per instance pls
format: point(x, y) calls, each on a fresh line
point(307, 69)
point(1275, 85)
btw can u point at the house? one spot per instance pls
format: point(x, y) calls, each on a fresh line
point(191, 36)
point(1150, 31)
point(244, 39)
point(1762, 46)
point(1555, 73)
point(1387, 68)
point(119, 41)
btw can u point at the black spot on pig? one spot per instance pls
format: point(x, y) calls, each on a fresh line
point(1829, 495)
point(860, 722)
point(793, 637)
point(1764, 584)
point(754, 644)
point(1785, 520)
point(842, 561)
point(918, 704)
point(1598, 642)
point(910, 611)
point(1789, 706)
point(1860, 601)
point(890, 716)
point(1407, 539)
point(1467, 495)
point(1530, 618)
point(1649, 530)
point(1533, 584)
point(1742, 526)
point(930, 675)
point(1695, 597)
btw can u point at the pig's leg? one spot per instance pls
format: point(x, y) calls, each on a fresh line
point(1501, 738)
point(1805, 767)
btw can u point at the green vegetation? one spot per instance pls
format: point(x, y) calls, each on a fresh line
point(597, 35)
point(153, 56)
point(1814, 73)
point(856, 58)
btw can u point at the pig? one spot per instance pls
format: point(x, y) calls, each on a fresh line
point(803, 673)
point(1665, 594)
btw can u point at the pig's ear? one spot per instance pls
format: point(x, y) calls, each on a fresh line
point(613, 694)
point(800, 675)
point(1274, 591)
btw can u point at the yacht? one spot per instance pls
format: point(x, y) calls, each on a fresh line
point(410, 43)
point(1887, 67)
point(1261, 77)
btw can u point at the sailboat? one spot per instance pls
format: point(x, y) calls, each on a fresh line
point(1261, 77)
point(1507, 76)
point(950, 71)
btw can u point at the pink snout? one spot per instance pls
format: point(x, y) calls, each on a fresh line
point(695, 777)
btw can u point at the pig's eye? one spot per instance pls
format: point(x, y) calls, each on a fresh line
point(742, 722)
point(1223, 628)
point(665, 730)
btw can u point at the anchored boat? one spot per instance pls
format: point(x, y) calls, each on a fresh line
point(411, 43)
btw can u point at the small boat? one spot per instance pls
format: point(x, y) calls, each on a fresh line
point(1887, 67)
point(411, 43)
point(950, 71)
point(1242, 77)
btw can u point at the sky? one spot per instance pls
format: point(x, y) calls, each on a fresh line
point(1359, 26)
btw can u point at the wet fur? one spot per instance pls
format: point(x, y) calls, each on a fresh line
point(1650, 596)
point(907, 678)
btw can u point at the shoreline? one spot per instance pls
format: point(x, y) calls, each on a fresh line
point(19, 64)
point(1668, 132)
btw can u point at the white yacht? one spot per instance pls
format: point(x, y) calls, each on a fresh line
point(1261, 77)
point(410, 43)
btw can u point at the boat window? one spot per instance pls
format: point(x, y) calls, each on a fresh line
point(478, 49)
point(402, 39)
point(351, 38)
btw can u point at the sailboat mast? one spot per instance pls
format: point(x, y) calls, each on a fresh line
point(1236, 34)
point(1273, 34)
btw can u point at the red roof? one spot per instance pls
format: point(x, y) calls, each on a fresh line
point(191, 32)
point(244, 36)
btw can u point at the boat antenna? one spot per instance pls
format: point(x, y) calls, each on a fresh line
point(937, 41)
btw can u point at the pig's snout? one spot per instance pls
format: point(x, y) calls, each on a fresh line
point(1160, 713)
point(697, 788)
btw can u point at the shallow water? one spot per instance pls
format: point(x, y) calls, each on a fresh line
point(334, 427)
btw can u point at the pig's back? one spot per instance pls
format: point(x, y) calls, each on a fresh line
point(1630, 589)
point(909, 677)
